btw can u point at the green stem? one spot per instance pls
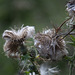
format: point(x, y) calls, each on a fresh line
point(71, 68)
point(36, 68)
point(72, 64)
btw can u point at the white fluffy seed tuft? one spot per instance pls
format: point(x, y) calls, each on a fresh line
point(49, 46)
point(15, 39)
point(45, 70)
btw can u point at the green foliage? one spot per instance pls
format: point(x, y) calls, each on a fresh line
point(73, 41)
point(72, 58)
point(29, 59)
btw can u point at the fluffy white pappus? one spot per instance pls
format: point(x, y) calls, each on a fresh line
point(71, 11)
point(61, 53)
point(30, 31)
point(36, 42)
point(24, 32)
point(8, 34)
point(27, 31)
point(33, 73)
point(15, 39)
point(71, 8)
point(45, 70)
point(50, 47)
point(50, 32)
point(13, 55)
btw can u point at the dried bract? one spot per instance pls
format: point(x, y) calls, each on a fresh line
point(15, 39)
point(49, 46)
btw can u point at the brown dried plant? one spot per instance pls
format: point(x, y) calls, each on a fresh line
point(16, 39)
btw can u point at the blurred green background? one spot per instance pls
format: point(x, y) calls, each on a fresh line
point(38, 13)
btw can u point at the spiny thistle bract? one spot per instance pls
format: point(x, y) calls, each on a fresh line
point(49, 46)
point(15, 39)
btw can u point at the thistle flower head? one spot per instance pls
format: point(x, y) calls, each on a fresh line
point(45, 70)
point(49, 46)
point(25, 32)
point(71, 10)
point(15, 40)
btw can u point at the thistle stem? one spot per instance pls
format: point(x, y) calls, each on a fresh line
point(71, 68)
point(66, 34)
point(62, 24)
point(72, 33)
point(69, 32)
point(72, 64)
point(57, 30)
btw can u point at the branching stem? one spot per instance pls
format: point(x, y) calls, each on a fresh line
point(62, 24)
point(68, 33)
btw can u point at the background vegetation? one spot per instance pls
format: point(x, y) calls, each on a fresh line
point(40, 13)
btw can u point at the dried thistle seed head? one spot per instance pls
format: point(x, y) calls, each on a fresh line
point(15, 39)
point(25, 32)
point(49, 46)
point(45, 69)
point(11, 48)
point(71, 8)
point(8, 35)
point(30, 31)
point(42, 43)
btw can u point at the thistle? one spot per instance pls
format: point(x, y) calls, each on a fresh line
point(71, 10)
point(46, 70)
point(15, 39)
point(49, 45)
